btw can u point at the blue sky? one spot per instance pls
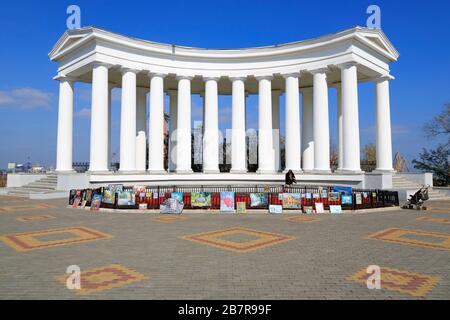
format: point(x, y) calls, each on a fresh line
point(29, 96)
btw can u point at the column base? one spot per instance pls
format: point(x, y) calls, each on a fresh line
point(128, 171)
point(349, 171)
point(307, 171)
point(69, 171)
point(238, 171)
point(150, 171)
point(211, 171)
point(187, 171)
point(295, 171)
point(321, 171)
point(383, 171)
point(266, 171)
point(99, 172)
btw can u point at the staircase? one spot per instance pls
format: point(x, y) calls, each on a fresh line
point(400, 182)
point(45, 185)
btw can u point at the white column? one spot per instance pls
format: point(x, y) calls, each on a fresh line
point(99, 119)
point(64, 145)
point(292, 124)
point(183, 148)
point(266, 158)
point(384, 141)
point(350, 120)
point(340, 146)
point(321, 128)
point(156, 124)
point(211, 127)
point(238, 113)
point(141, 129)
point(110, 88)
point(173, 94)
point(276, 127)
point(307, 130)
point(128, 122)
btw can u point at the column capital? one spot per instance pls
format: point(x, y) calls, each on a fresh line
point(347, 65)
point(235, 78)
point(209, 78)
point(181, 77)
point(291, 74)
point(64, 78)
point(382, 78)
point(125, 69)
point(264, 77)
point(101, 64)
point(152, 74)
point(324, 70)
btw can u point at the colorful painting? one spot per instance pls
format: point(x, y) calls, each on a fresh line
point(334, 196)
point(275, 208)
point(335, 209)
point(200, 199)
point(259, 200)
point(319, 207)
point(177, 195)
point(227, 201)
point(241, 207)
point(358, 198)
point(346, 199)
point(292, 201)
point(96, 201)
point(125, 198)
point(308, 210)
point(115, 187)
point(109, 196)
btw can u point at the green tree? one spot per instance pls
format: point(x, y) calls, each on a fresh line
point(436, 161)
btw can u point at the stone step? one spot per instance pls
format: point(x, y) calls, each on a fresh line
point(40, 184)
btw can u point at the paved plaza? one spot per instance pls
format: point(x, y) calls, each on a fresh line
point(206, 255)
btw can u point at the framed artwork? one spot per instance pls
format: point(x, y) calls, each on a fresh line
point(177, 195)
point(200, 199)
point(292, 201)
point(275, 208)
point(343, 190)
point(241, 207)
point(358, 198)
point(308, 209)
point(334, 196)
point(115, 187)
point(319, 207)
point(109, 196)
point(335, 209)
point(346, 199)
point(259, 200)
point(227, 201)
point(125, 198)
point(96, 201)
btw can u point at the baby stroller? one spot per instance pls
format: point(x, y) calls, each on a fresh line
point(417, 200)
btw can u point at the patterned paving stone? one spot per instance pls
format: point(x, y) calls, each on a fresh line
point(421, 238)
point(168, 218)
point(305, 219)
point(35, 218)
point(103, 278)
point(25, 207)
point(255, 239)
point(44, 239)
point(434, 219)
point(414, 284)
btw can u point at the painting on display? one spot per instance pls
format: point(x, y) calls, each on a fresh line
point(334, 196)
point(200, 199)
point(96, 201)
point(177, 195)
point(308, 209)
point(319, 207)
point(275, 208)
point(292, 201)
point(227, 201)
point(335, 209)
point(346, 199)
point(343, 190)
point(241, 207)
point(358, 198)
point(109, 196)
point(115, 187)
point(125, 198)
point(77, 199)
point(259, 199)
